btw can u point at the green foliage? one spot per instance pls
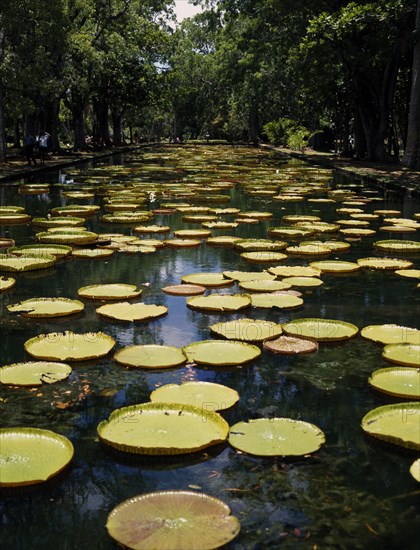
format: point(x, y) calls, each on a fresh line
point(288, 133)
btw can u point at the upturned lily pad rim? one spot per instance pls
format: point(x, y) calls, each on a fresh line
point(405, 411)
point(131, 411)
point(292, 328)
point(38, 434)
point(249, 444)
point(228, 395)
point(225, 525)
point(43, 379)
point(391, 353)
point(24, 307)
point(134, 291)
point(254, 352)
point(415, 470)
point(377, 382)
point(49, 356)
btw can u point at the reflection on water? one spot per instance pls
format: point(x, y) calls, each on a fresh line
point(354, 493)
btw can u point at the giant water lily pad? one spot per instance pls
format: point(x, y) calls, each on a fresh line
point(221, 352)
point(56, 250)
point(150, 356)
point(34, 373)
point(270, 300)
point(207, 279)
point(172, 520)
point(309, 250)
point(384, 263)
point(248, 275)
point(67, 221)
point(47, 307)
point(184, 290)
point(183, 243)
point(276, 437)
point(263, 256)
point(92, 253)
point(294, 271)
point(200, 394)
point(192, 233)
point(125, 311)
point(409, 273)
point(403, 354)
point(398, 424)
point(162, 429)
point(397, 381)
point(303, 281)
point(9, 262)
point(415, 470)
point(335, 266)
point(264, 285)
point(254, 245)
point(111, 291)
point(6, 283)
point(249, 330)
point(322, 330)
point(391, 334)
point(219, 302)
point(289, 345)
point(12, 219)
point(31, 455)
point(407, 247)
point(67, 237)
point(69, 346)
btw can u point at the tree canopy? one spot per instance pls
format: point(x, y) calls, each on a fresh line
point(341, 75)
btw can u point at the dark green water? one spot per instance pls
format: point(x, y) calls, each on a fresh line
point(353, 493)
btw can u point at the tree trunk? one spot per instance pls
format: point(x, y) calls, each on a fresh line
point(78, 122)
point(117, 129)
point(412, 149)
point(52, 109)
point(253, 125)
point(3, 146)
point(16, 135)
point(101, 135)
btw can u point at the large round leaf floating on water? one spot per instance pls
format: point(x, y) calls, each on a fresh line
point(398, 424)
point(271, 300)
point(263, 256)
point(335, 266)
point(33, 373)
point(151, 356)
point(56, 250)
point(303, 281)
point(397, 381)
point(112, 291)
point(322, 330)
point(162, 429)
point(391, 334)
point(207, 279)
point(276, 437)
point(221, 352)
point(384, 263)
point(249, 330)
point(248, 275)
point(200, 394)
point(91, 253)
point(184, 290)
point(67, 237)
point(415, 470)
point(294, 271)
point(289, 345)
point(124, 311)
point(409, 273)
point(403, 354)
point(69, 346)
point(172, 520)
point(6, 283)
point(9, 262)
point(264, 285)
point(29, 455)
point(407, 247)
point(47, 307)
point(219, 302)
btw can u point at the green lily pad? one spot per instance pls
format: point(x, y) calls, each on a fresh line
point(162, 429)
point(112, 291)
point(263, 256)
point(184, 290)
point(403, 354)
point(192, 233)
point(207, 395)
point(30, 455)
point(75, 210)
point(398, 424)
point(56, 250)
point(309, 250)
point(152, 229)
point(47, 307)
point(183, 243)
point(289, 232)
point(294, 271)
point(397, 381)
point(391, 334)
point(322, 330)
point(172, 520)
point(125, 311)
point(222, 240)
point(34, 373)
point(67, 221)
point(83, 237)
point(12, 219)
point(255, 245)
point(92, 253)
point(264, 285)
point(335, 266)
point(415, 470)
point(295, 218)
point(409, 273)
point(276, 437)
point(9, 262)
point(408, 247)
point(248, 275)
point(248, 330)
point(269, 300)
point(289, 345)
point(219, 302)
point(6, 283)
point(303, 281)
point(207, 279)
point(384, 263)
point(69, 346)
point(221, 352)
point(150, 356)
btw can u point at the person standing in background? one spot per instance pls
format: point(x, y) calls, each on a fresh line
point(29, 144)
point(43, 145)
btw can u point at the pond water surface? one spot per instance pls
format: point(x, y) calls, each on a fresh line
point(353, 493)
